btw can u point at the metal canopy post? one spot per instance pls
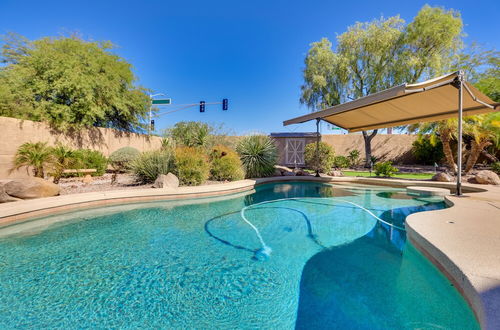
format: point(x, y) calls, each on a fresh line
point(460, 84)
point(317, 147)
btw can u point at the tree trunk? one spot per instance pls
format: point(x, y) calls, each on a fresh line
point(368, 146)
point(486, 154)
point(475, 151)
point(448, 154)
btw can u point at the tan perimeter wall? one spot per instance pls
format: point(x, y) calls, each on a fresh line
point(14, 132)
point(393, 147)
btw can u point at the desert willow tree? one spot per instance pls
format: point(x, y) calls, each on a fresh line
point(377, 55)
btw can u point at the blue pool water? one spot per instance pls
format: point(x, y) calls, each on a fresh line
point(193, 264)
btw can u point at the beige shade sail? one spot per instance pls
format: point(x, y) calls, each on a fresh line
point(432, 100)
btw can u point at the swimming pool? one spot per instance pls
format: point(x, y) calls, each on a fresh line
point(337, 259)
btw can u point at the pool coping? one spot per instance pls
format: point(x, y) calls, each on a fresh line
point(462, 241)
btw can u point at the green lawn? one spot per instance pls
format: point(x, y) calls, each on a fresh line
point(418, 176)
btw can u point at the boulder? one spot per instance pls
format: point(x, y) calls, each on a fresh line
point(283, 170)
point(301, 172)
point(31, 188)
point(4, 197)
point(336, 173)
point(442, 177)
point(487, 177)
point(166, 181)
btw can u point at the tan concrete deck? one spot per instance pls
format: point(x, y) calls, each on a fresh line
point(462, 241)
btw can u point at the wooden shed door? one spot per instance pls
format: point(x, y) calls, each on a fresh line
point(294, 151)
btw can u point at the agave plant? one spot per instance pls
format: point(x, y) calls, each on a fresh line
point(37, 156)
point(258, 155)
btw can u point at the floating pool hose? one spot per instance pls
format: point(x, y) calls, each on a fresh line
point(265, 250)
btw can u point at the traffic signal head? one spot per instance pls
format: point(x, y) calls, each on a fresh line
point(152, 124)
point(202, 106)
point(224, 104)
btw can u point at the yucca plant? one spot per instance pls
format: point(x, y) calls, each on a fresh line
point(37, 156)
point(258, 154)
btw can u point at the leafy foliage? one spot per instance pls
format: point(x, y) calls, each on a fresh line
point(353, 158)
point(190, 133)
point(341, 162)
point(122, 159)
point(37, 156)
point(90, 159)
point(489, 81)
point(191, 165)
point(225, 164)
point(258, 155)
point(324, 161)
point(495, 167)
point(148, 165)
point(62, 158)
point(385, 169)
point(427, 149)
point(196, 134)
point(379, 54)
point(70, 83)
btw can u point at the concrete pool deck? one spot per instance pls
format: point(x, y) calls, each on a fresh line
point(463, 241)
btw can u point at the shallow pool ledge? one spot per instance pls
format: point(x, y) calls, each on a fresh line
point(463, 241)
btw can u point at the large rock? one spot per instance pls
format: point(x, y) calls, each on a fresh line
point(166, 181)
point(283, 170)
point(4, 197)
point(336, 173)
point(442, 177)
point(31, 188)
point(487, 177)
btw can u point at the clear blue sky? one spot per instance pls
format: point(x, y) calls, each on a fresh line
point(250, 52)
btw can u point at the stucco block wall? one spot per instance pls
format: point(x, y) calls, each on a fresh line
point(14, 132)
point(393, 147)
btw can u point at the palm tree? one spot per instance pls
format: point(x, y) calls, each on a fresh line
point(445, 129)
point(36, 155)
point(62, 158)
point(484, 129)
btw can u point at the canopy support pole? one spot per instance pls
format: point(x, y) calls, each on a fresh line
point(317, 147)
point(460, 84)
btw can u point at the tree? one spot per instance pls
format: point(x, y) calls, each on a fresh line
point(70, 83)
point(445, 129)
point(377, 55)
point(483, 129)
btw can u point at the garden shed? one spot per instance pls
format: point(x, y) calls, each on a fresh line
point(291, 147)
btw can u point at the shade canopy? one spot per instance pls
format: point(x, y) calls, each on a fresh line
point(431, 100)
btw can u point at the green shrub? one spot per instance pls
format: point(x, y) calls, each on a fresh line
point(190, 133)
point(385, 169)
point(324, 161)
point(427, 150)
point(148, 165)
point(121, 159)
point(225, 164)
point(90, 159)
point(191, 165)
point(341, 162)
point(258, 155)
point(353, 158)
point(495, 167)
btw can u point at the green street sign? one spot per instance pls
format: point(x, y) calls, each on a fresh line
point(164, 101)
